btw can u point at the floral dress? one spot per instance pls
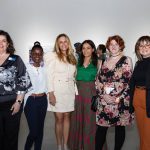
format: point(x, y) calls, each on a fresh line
point(117, 83)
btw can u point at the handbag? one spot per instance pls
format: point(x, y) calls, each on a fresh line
point(94, 103)
point(95, 98)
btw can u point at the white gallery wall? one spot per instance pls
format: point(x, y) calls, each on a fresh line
point(28, 21)
point(42, 20)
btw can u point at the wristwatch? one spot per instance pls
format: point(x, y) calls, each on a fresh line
point(19, 101)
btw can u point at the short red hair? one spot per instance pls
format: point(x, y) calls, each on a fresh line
point(118, 39)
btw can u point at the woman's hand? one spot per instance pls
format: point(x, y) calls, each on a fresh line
point(109, 99)
point(99, 85)
point(117, 100)
point(52, 98)
point(15, 108)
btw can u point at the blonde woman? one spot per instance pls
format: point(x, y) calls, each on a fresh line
point(61, 66)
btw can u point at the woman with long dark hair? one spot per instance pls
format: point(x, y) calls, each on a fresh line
point(82, 132)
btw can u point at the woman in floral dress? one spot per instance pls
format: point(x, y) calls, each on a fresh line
point(113, 89)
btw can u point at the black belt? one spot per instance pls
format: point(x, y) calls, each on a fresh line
point(141, 87)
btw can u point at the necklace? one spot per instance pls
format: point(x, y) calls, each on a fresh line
point(37, 69)
point(86, 65)
point(86, 62)
point(115, 55)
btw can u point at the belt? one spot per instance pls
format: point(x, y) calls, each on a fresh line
point(141, 87)
point(65, 80)
point(38, 95)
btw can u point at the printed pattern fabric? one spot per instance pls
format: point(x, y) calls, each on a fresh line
point(116, 80)
point(14, 78)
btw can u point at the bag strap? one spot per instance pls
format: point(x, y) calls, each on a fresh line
point(100, 66)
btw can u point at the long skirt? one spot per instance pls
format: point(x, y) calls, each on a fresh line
point(83, 119)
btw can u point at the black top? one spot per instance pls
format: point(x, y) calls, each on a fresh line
point(140, 70)
point(141, 77)
point(14, 78)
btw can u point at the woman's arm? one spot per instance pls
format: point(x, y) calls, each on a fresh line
point(22, 82)
point(50, 62)
point(16, 106)
point(124, 95)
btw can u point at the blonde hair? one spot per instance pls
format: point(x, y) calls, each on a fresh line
point(70, 56)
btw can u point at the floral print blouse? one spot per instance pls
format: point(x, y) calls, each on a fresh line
point(115, 84)
point(14, 78)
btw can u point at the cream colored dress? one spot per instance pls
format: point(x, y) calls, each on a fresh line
point(60, 79)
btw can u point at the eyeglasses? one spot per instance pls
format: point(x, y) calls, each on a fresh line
point(145, 46)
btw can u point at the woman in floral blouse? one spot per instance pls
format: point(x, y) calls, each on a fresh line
point(113, 90)
point(14, 82)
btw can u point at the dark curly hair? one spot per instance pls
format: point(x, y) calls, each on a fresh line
point(10, 49)
point(94, 56)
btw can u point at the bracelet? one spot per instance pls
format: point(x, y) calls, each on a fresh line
point(19, 101)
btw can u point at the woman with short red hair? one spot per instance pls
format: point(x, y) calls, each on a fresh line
point(113, 91)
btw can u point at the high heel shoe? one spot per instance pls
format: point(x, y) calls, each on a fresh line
point(66, 147)
point(59, 147)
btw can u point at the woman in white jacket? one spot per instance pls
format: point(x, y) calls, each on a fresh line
point(61, 67)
